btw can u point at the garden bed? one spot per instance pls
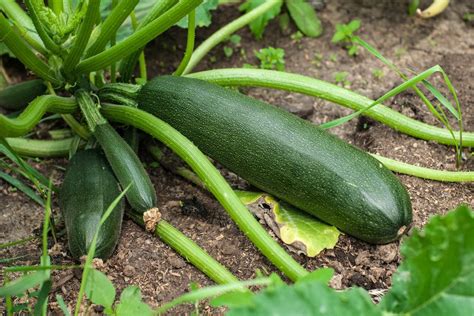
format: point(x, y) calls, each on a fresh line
point(411, 43)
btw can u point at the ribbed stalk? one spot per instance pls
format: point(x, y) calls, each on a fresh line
point(189, 250)
point(138, 39)
point(27, 120)
point(40, 148)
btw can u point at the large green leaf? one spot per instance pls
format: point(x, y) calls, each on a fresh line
point(258, 25)
point(308, 298)
point(436, 278)
point(437, 275)
point(305, 18)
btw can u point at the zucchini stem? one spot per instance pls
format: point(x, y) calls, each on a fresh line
point(89, 109)
point(189, 250)
point(189, 43)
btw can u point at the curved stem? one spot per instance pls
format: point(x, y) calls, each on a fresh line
point(213, 180)
point(127, 65)
point(76, 127)
point(189, 43)
point(23, 52)
point(222, 34)
point(138, 39)
point(40, 148)
point(427, 173)
point(28, 119)
point(110, 26)
point(55, 148)
point(21, 19)
point(189, 250)
point(82, 37)
point(327, 91)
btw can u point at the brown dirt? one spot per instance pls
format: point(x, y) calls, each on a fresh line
point(143, 260)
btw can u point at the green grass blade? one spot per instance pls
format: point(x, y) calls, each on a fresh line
point(400, 88)
point(442, 99)
point(22, 187)
point(62, 305)
point(41, 305)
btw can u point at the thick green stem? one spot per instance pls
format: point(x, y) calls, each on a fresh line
point(127, 65)
point(47, 40)
point(427, 173)
point(189, 250)
point(21, 19)
point(56, 6)
point(76, 126)
point(321, 89)
point(82, 37)
point(40, 148)
point(213, 180)
point(24, 53)
point(138, 39)
point(110, 26)
point(189, 44)
point(28, 119)
point(224, 33)
point(89, 110)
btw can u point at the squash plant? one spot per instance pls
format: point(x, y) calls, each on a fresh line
point(87, 71)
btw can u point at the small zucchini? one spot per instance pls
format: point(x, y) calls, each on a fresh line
point(124, 161)
point(89, 187)
point(285, 156)
point(16, 97)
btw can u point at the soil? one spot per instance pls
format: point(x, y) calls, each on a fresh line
point(411, 43)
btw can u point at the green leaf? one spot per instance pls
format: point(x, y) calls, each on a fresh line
point(248, 197)
point(308, 298)
point(297, 227)
point(20, 285)
point(271, 58)
point(131, 303)
point(353, 26)
point(257, 26)
point(42, 302)
point(294, 227)
point(203, 14)
point(99, 289)
point(233, 299)
point(437, 275)
point(305, 17)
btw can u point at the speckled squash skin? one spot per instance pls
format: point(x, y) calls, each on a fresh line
point(89, 187)
point(285, 156)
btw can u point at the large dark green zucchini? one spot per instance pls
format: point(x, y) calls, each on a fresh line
point(17, 96)
point(285, 156)
point(88, 189)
